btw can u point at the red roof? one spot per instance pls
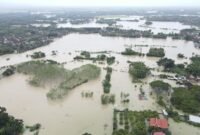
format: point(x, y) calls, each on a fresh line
point(158, 133)
point(161, 123)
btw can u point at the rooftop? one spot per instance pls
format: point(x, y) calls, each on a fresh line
point(161, 123)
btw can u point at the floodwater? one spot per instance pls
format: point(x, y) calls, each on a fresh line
point(127, 22)
point(75, 115)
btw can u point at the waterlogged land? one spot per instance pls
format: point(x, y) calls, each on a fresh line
point(64, 94)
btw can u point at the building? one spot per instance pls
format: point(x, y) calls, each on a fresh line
point(194, 119)
point(158, 123)
point(158, 133)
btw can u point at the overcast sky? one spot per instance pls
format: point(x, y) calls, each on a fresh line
point(102, 2)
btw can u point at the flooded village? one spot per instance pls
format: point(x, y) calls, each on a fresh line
point(100, 73)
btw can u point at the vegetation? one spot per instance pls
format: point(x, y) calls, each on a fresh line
point(45, 73)
point(156, 52)
point(107, 99)
point(9, 71)
point(148, 23)
point(160, 86)
point(110, 22)
point(37, 55)
point(106, 82)
point(132, 122)
point(35, 127)
point(8, 124)
point(138, 70)
point(187, 99)
point(110, 60)
point(129, 51)
point(85, 54)
point(180, 55)
point(166, 63)
point(194, 67)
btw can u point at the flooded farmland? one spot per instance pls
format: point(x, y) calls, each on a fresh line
point(74, 114)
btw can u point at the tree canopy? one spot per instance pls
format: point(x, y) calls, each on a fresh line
point(138, 70)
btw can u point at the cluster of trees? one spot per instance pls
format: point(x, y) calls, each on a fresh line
point(9, 71)
point(129, 51)
point(138, 70)
point(23, 38)
point(8, 124)
point(85, 55)
point(159, 86)
point(110, 60)
point(106, 81)
point(37, 55)
point(131, 122)
point(181, 69)
point(156, 52)
point(187, 99)
point(107, 99)
point(180, 55)
point(166, 63)
point(194, 67)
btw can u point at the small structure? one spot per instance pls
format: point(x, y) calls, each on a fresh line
point(165, 112)
point(158, 133)
point(194, 119)
point(158, 123)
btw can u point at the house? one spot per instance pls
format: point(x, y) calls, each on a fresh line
point(158, 133)
point(158, 123)
point(194, 119)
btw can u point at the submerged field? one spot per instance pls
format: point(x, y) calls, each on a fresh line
point(26, 94)
point(44, 73)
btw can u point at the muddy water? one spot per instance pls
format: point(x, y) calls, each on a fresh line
point(95, 42)
point(75, 115)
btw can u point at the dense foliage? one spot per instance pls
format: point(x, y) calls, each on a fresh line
point(8, 124)
point(129, 51)
point(110, 60)
point(194, 67)
point(159, 85)
point(9, 71)
point(107, 99)
point(131, 122)
point(187, 99)
point(37, 55)
point(106, 81)
point(45, 73)
point(138, 70)
point(166, 63)
point(156, 52)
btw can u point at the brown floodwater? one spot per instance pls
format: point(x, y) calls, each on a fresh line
point(75, 115)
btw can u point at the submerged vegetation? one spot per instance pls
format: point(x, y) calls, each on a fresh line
point(37, 55)
point(160, 86)
point(129, 51)
point(194, 67)
point(44, 73)
point(106, 81)
point(107, 99)
point(156, 52)
point(9, 71)
point(131, 122)
point(138, 70)
point(187, 99)
point(8, 124)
